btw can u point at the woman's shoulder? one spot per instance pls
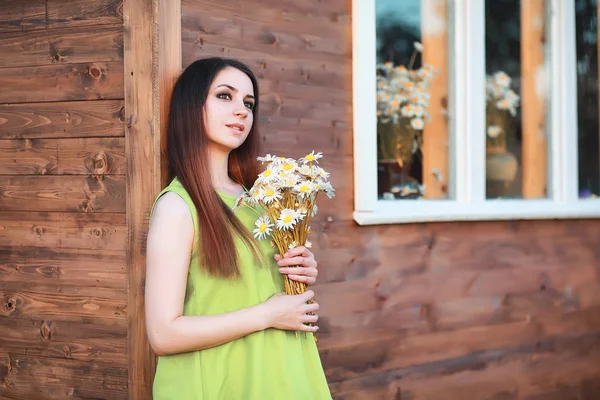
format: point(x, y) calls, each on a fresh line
point(171, 208)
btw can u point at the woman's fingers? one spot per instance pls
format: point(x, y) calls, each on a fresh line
point(310, 318)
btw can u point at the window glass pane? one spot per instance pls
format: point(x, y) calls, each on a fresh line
point(412, 96)
point(517, 57)
point(586, 15)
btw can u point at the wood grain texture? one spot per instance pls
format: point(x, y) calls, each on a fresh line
point(33, 378)
point(143, 135)
point(64, 303)
point(66, 340)
point(93, 231)
point(18, 15)
point(84, 81)
point(102, 118)
point(62, 46)
point(66, 266)
point(63, 193)
point(91, 156)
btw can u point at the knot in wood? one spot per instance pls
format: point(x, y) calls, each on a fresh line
point(98, 232)
point(67, 351)
point(98, 164)
point(86, 206)
point(39, 230)
point(46, 331)
point(11, 305)
point(95, 72)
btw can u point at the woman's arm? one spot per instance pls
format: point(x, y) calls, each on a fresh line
point(169, 246)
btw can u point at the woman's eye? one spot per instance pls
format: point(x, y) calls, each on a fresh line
point(250, 105)
point(224, 96)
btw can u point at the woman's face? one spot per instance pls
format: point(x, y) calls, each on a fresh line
point(228, 109)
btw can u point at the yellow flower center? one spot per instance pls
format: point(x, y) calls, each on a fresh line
point(262, 228)
point(287, 167)
point(269, 193)
point(310, 157)
point(267, 173)
point(287, 219)
point(304, 188)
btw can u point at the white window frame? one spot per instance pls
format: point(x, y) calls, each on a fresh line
point(467, 121)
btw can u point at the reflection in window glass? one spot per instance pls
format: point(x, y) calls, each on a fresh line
point(412, 93)
point(517, 61)
point(586, 14)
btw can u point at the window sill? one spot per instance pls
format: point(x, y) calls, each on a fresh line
point(411, 211)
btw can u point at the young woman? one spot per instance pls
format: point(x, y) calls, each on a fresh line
point(215, 312)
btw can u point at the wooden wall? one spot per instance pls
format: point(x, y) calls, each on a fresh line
point(63, 232)
point(453, 311)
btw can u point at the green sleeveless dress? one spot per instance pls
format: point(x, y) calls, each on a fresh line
point(270, 364)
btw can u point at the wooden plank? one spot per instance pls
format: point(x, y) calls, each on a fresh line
point(528, 370)
point(93, 231)
point(62, 46)
point(64, 303)
point(311, 20)
point(60, 339)
point(56, 266)
point(533, 107)
point(29, 377)
point(436, 150)
point(63, 193)
point(144, 20)
point(85, 81)
point(18, 15)
point(62, 119)
point(90, 156)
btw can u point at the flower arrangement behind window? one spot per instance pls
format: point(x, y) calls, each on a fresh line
point(402, 100)
point(501, 109)
point(402, 103)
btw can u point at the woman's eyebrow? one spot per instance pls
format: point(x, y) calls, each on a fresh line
point(233, 89)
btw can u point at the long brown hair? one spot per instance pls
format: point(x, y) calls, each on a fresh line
point(188, 160)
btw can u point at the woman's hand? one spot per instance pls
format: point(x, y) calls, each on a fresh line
point(306, 271)
point(287, 312)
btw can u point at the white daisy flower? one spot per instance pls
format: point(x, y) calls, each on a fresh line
point(267, 158)
point(305, 170)
point(288, 218)
point(314, 210)
point(288, 180)
point(328, 189)
point(268, 175)
point(269, 194)
point(494, 131)
point(292, 245)
point(304, 188)
point(417, 123)
point(263, 228)
point(311, 157)
point(255, 195)
point(288, 165)
point(308, 244)
point(320, 172)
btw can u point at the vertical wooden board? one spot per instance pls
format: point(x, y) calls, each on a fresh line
point(145, 31)
point(533, 103)
point(436, 149)
point(62, 119)
point(63, 193)
point(86, 81)
point(62, 46)
point(93, 231)
point(64, 267)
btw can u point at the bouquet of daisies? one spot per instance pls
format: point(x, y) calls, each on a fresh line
point(284, 197)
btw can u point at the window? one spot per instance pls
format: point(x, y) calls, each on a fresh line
point(478, 111)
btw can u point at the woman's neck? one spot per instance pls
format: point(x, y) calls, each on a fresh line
point(219, 172)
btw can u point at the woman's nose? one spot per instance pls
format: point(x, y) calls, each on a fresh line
point(241, 111)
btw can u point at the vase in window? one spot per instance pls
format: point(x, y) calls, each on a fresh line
point(501, 165)
point(402, 101)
